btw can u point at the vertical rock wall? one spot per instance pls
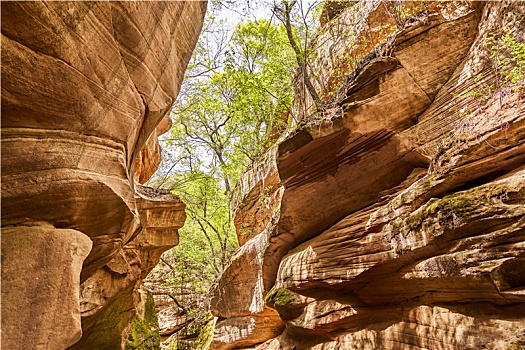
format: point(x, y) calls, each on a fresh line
point(399, 219)
point(84, 85)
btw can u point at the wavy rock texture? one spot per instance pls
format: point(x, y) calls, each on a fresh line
point(84, 85)
point(400, 220)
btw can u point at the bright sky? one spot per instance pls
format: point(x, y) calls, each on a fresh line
point(258, 9)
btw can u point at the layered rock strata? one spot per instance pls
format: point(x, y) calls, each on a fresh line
point(108, 298)
point(84, 85)
point(399, 223)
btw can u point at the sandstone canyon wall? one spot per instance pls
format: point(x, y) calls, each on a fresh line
point(395, 218)
point(84, 86)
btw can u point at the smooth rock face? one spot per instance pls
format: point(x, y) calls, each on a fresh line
point(421, 328)
point(400, 224)
point(246, 286)
point(40, 306)
point(84, 86)
point(257, 196)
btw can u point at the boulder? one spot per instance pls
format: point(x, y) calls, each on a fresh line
point(41, 286)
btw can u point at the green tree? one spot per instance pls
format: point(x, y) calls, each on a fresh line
point(284, 12)
point(236, 95)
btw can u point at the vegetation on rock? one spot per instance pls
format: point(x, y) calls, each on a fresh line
point(144, 333)
point(279, 297)
point(233, 104)
point(196, 336)
point(239, 96)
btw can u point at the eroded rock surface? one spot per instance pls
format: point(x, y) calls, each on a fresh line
point(84, 86)
point(41, 267)
point(109, 297)
point(399, 223)
point(248, 320)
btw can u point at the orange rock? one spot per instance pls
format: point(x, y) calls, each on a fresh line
point(400, 219)
point(84, 86)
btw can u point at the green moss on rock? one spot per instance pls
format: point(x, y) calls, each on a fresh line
point(279, 297)
point(453, 209)
point(197, 335)
point(206, 334)
point(144, 332)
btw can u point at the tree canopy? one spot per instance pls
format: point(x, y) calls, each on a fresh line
point(234, 99)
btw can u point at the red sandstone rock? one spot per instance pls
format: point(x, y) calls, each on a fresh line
point(40, 286)
point(84, 86)
point(368, 248)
